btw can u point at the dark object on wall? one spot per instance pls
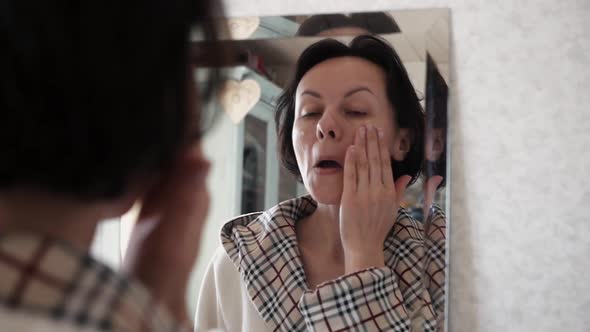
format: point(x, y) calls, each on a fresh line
point(376, 23)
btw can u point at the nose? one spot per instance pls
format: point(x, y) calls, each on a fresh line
point(328, 127)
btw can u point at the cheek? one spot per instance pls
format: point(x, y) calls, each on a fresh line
point(390, 139)
point(388, 134)
point(350, 131)
point(302, 140)
point(298, 134)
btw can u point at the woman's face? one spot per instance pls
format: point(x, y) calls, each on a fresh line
point(332, 101)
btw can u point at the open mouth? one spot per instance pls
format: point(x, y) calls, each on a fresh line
point(328, 164)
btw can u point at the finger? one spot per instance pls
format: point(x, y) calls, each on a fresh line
point(433, 183)
point(350, 183)
point(362, 166)
point(400, 187)
point(386, 170)
point(374, 157)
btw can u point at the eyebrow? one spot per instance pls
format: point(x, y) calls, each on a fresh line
point(311, 93)
point(359, 89)
point(348, 94)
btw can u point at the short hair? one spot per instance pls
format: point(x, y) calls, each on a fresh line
point(93, 94)
point(408, 112)
point(375, 23)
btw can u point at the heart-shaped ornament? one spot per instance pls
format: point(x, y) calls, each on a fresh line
point(238, 98)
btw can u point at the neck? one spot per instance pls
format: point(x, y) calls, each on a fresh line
point(50, 215)
point(321, 230)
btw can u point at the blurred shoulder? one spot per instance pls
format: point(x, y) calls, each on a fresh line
point(24, 321)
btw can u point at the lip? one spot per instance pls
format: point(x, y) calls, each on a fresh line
point(327, 171)
point(331, 155)
point(320, 158)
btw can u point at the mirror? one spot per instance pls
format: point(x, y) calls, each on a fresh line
point(248, 177)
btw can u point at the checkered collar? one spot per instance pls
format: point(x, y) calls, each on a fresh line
point(264, 248)
point(47, 277)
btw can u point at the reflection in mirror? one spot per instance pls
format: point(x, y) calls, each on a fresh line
point(294, 244)
point(240, 28)
point(249, 176)
point(254, 167)
point(435, 170)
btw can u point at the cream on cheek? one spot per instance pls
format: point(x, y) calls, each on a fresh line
point(302, 147)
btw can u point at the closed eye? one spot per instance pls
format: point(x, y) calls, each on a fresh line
point(356, 113)
point(310, 114)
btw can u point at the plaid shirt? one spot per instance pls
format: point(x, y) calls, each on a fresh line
point(434, 260)
point(263, 246)
point(45, 278)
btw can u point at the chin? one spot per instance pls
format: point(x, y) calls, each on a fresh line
point(327, 195)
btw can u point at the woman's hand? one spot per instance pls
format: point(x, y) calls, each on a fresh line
point(370, 200)
point(165, 240)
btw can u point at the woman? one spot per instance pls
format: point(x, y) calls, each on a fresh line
point(346, 257)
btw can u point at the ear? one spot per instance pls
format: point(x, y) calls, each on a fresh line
point(439, 140)
point(402, 143)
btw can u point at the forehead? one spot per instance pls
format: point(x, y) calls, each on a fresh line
point(339, 75)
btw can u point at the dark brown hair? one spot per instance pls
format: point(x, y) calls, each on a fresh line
point(400, 92)
point(94, 93)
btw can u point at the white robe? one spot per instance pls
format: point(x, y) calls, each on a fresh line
point(224, 301)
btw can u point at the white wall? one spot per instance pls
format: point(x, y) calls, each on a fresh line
point(520, 187)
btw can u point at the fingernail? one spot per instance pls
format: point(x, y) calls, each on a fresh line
point(363, 131)
point(380, 131)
